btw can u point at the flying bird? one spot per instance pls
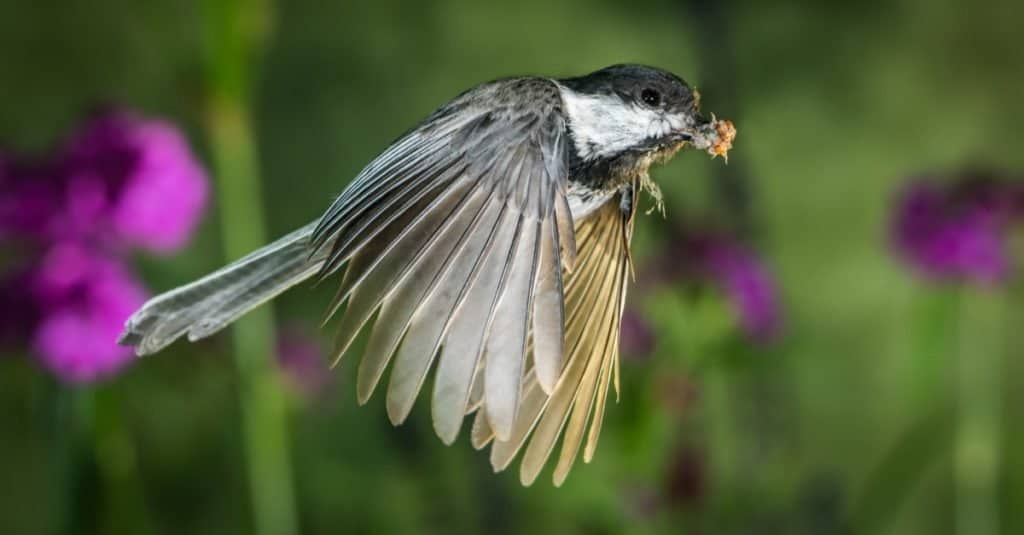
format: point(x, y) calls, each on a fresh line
point(491, 243)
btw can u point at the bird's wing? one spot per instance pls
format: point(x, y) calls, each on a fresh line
point(455, 239)
point(594, 298)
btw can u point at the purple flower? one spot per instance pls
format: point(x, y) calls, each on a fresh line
point(84, 299)
point(707, 255)
point(19, 311)
point(137, 177)
point(637, 336)
point(30, 196)
point(301, 359)
point(746, 282)
point(119, 181)
point(957, 231)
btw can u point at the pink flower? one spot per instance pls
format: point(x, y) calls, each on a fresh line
point(84, 299)
point(119, 181)
point(138, 177)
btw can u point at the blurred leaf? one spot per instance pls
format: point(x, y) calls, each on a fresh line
point(901, 468)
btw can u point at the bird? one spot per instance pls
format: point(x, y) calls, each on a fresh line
point(489, 244)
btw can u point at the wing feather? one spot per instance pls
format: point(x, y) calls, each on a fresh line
point(481, 434)
point(535, 399)
point(402, 297)
point(390, 172)
point(610, 367)
point(506, 343)
point(566, 234)
point(603, 337)
point(594, 294)
point(548, 311)
point(428, 324)
point(464, 343)
point(417, 249)
point(476, 390)
point(375, 214)
point(582, 298)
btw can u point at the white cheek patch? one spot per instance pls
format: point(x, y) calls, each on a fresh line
point(605, 125)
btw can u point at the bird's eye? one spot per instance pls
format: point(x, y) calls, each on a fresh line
point(650, 97)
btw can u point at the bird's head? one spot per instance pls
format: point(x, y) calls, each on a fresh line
point(640, 114)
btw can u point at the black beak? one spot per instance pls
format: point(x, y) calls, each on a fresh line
point(684, 135)
point(700, 120)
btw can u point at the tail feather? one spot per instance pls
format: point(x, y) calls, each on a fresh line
point(202, 308)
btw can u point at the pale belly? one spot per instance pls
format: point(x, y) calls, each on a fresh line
point(583, 201)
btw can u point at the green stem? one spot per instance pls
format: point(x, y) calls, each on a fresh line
point(263, 402)
point(233, 32)
point(976, 448)
point(928, 366)
point(125, 510)
point(66, 461)
point(721, 420)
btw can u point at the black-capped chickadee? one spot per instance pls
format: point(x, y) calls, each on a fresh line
point(492, 242)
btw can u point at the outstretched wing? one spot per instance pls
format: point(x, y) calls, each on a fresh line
point(594, 298)
point(455, 238)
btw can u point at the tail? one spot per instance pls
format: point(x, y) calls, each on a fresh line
point(209, 304)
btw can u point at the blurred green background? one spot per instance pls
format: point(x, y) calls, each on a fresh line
point(888, 405)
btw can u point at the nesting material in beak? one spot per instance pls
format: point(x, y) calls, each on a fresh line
point(715, 137)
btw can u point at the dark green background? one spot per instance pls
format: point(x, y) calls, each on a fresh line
point(848, 423)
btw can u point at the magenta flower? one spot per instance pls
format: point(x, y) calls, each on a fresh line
point(138, 177)
point(30, 196)
point(707, 256)
point(957, 231)
point(19, 311)
point(119, 182)
point(84, 299)
point(746, 282)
